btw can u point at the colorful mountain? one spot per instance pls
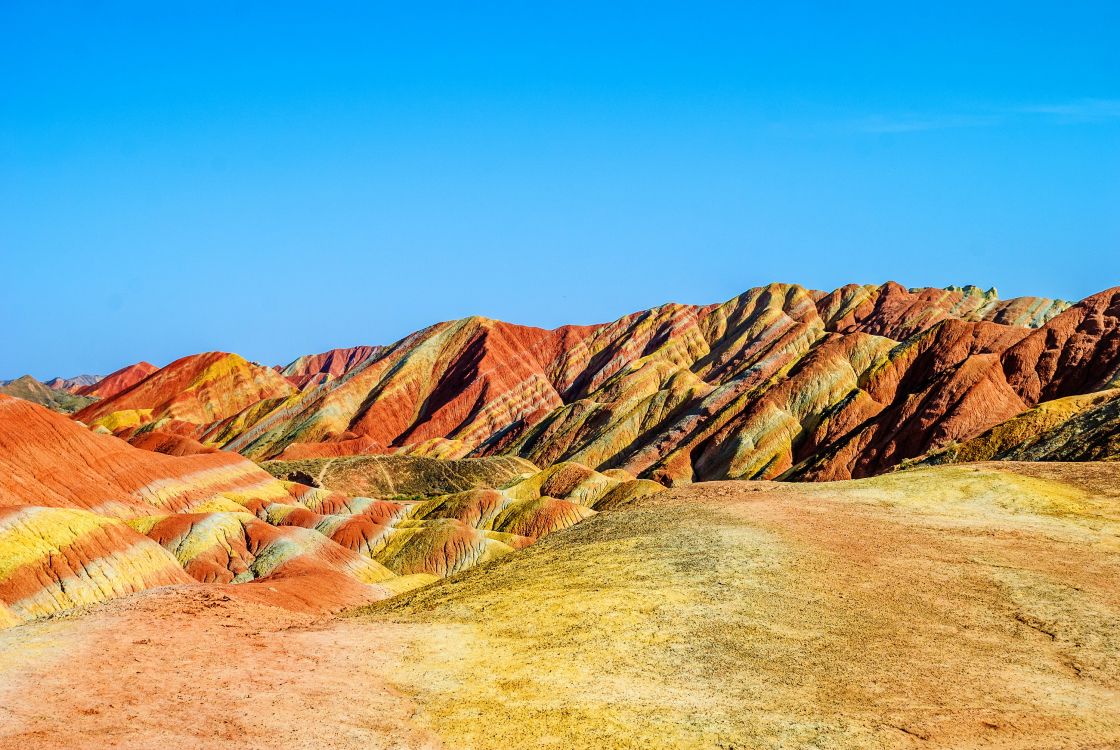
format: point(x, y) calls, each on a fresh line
point(487, 500)
point(201, 389)
point(779, 382)
point(115, 382)
point(316, 369)
point(86, 517)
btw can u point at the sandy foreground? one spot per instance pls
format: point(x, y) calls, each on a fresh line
point(958, 606)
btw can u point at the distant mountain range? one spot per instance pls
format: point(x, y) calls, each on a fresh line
point(781, 382)
point(57, 399)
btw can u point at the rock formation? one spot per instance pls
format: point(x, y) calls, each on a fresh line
point(780, 381)
point(316, 369)
point(118, 381)
point(86, 517)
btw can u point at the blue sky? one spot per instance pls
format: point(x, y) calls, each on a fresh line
point(282, 178)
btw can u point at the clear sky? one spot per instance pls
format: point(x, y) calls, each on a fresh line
point(280, 178)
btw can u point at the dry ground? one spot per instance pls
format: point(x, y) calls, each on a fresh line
point(957, 606)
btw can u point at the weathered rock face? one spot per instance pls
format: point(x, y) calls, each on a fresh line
point(86, 517)
point(1073, 428)
point(942, 384)
point(48, 460)
point(1076, 352)
point(118, 381)
point(779, 382)
point(201, 388)
point(316, 369)
point(979, 376)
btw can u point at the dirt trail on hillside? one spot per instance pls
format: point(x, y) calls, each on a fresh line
point(965, 606)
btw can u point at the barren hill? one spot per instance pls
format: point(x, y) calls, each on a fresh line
point(945, 607)
point(779, 382)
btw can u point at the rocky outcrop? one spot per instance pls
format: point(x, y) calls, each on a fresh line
point(316, 369)
point(778, 382)
point(86, 516)
point(201, 389)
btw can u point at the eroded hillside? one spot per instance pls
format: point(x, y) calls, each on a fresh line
point(972, 606)
point(87, 517)
point(779, 382)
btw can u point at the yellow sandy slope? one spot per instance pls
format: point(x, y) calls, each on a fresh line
point(952, 607)
point(948, 607)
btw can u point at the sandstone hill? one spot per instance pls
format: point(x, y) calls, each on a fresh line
point(117, 381)
point(87, 517)
point(781, 382)
point(945, 607)
point(464, 539)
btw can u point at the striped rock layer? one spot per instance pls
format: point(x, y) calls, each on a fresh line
point(1085, 427)
point(86, 517)
point(316, 369)
point(118, 381)
point(781, 382)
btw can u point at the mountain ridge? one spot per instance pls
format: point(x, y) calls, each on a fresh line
point(778, 382)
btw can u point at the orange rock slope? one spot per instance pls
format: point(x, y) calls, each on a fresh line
point(86, 517)
point(780, 381)
point(201, 388)
point(315, 369)
point(115, 382)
